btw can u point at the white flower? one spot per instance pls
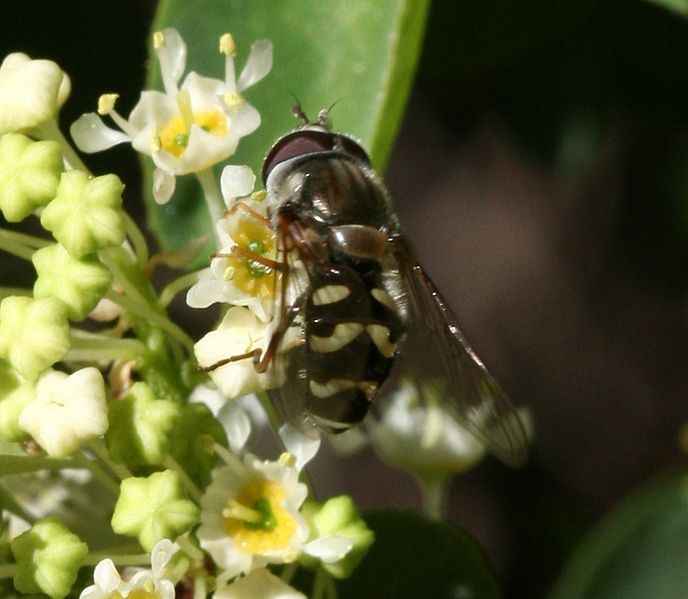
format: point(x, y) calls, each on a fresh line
point(234, 277)
point(68, 411)
point(259, 583)
point(31, 92)
point(239, 333)
point(189, 127)
point(250, 517)
point(136, 582)
point(425, 440)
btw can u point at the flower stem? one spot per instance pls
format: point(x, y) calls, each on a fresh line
point(50, 130)
point(99, 474)
point(89, 347)
point(11, 246)
point(323, 586)
point(433, 492)
point(21, 291)
point(200, 590)
point(138, 240)
point(137, 306)
point(24, 238)
point(136, 559)
point(213, 198)
point(98, 448)
point(288, 572)
point(179, 284)
point(189, 485)
point(7, 570)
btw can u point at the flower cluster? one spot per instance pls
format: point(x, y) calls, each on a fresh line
point(147, 466)
point(100, 391)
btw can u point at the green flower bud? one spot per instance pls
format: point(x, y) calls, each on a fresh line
point(141, 426)
point(34, 333)
point(48, 558)
point(196, 430)
point(153, 508)
point(29, 174)
point(339, 517)
point(86, 215)
point(15, 393)
point(80, 284)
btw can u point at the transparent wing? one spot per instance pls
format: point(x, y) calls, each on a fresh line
point(435, 353)
point(287, 368)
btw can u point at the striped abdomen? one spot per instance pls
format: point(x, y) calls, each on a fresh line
point(352, 331)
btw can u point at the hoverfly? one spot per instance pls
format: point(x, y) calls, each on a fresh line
point(353, 304)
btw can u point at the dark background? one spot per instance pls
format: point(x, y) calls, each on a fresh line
point(541, 172)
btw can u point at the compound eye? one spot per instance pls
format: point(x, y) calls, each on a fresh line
point(295, 144)
point(352, 148)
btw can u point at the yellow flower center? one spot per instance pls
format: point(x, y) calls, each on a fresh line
point(251, 276)
point(143, 594)
point(174, 136)
point(256, 519)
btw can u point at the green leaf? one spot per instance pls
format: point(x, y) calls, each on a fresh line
point(678, 6)
point(416, 557)
point(639, 550)
point(360, 54)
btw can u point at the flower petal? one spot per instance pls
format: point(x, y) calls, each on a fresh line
point(257, 66)
point(163, 185)
point(329, 549)
point(236, 181)
point(106, 576)
point(236, 423)
point(90, 134)
point(172, 58)
point(303, 447)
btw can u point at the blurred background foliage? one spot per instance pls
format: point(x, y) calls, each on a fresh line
point(542, 170)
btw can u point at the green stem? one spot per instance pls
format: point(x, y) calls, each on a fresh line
point(137, 306)
point(138, 240)
point(98, 473)
point(50, 130)
point(136, 559)
point(288, 572)
point(99, 449)
point(200, 590)
point(8, 291)
point(10, 505)
point(433, 493)
point(15, 248)
point(190, 549)
point(89, 347)
point(323, 586)
point(190, 486)
point(213, 198)
point(179, 284)
point(7, 570)
point(24, 238)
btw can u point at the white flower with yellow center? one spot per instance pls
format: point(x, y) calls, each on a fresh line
point(136, 583)
point(188, 127)
point(259, 583)
point(242, 273)
point(250, 517)
point(239, 335)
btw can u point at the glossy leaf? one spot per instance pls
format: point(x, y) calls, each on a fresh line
point(416, 557)
point(358, 54)
point(639, 550)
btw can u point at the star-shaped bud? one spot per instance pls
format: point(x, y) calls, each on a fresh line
point(153, 508)
point(86, 215)
point(48, 558)
point(79, 283)
point(34, 333)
